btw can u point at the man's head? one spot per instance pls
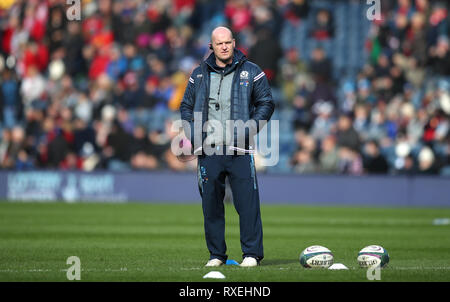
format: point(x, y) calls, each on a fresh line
point(222, 44)
point(344, 122)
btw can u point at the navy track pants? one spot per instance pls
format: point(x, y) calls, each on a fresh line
point(240, 169)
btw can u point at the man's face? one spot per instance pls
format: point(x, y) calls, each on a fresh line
point(223, 46)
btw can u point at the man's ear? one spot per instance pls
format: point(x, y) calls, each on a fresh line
point(210, 46)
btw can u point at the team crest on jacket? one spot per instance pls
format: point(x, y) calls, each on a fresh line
point(244, 75)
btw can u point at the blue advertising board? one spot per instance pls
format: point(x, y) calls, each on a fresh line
point(166, 186)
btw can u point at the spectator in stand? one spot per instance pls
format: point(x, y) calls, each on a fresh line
point(329, 156)
point(427, 163)
point(320, 66)
point(83, 134)
point(5, 145)
point(404, 7)
point(239, 15)
point(297, 10)
point(416, 39)
point(266, 53)
point(133, 93)
point(439, 57)
point(409, 166)
point(134, 61)
point(127, 124)
point(23, 161)
point(292, 74)
point(350, 161)
point(361, 122)
point(324, 123)
point(17, 144)
point(34, 132)
point(364, 93)
point(72, 162)
point(374, 162)
point(56, 27)
point(100, 61)
point(117, 64)
point(438, 22)
point(58, 147)
point(72, 44)
point(377, 129)
point(304, 162)
point(346, 134)
point(142, 157)
point(33, 86)
point(398, 80)
point(323, 27)
point(117, 151)
point(10, 99)
point(302, 114)
point(266, 16)
point(322, 31)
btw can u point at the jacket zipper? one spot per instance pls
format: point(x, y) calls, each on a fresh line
point(206, 102)
point(220, 85)
point(218, 100)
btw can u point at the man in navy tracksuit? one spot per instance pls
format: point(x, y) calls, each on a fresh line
point(227, 87)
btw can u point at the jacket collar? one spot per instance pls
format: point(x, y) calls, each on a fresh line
point(238, 59)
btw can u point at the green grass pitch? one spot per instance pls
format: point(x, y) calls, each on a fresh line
point(165, 242)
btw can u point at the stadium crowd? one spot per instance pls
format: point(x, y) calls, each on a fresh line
point(102, 92)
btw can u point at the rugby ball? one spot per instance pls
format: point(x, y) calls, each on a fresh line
point(373, 256)
point(316, 256)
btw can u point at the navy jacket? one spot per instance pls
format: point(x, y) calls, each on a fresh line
point(251, 97)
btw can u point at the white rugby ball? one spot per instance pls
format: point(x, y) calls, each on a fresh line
point(316, 256)
point(373, 256)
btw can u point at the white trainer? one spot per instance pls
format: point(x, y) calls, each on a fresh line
point(214, 262)
point(249, 262)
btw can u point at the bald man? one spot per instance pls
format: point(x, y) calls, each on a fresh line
point(222, 44)
point(227, 89)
